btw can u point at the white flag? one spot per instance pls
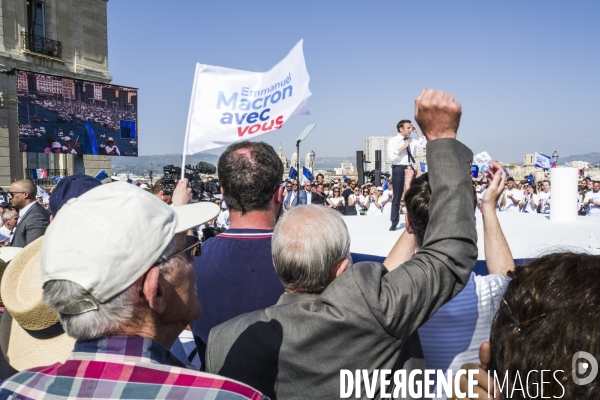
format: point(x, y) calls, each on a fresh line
point(229, 105)
point(542, 161)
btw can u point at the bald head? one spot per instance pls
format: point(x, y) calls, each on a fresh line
point(25, 185)
point(23, 193)
point(311, 246)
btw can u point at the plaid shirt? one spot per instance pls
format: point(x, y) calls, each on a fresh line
point(122, 367)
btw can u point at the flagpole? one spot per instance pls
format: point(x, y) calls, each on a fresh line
point(189, 121)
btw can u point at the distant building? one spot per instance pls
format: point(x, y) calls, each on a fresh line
point(62, 38)
point(373, 143)
point(294, 162)
point(346, 168)
point(283, 158)
point(309, 161)
point(580, 164)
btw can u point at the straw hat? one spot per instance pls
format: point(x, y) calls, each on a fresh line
point(30, 332)
point(6, 254)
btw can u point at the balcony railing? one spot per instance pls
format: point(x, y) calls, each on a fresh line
point(41, 45)
point(47, 181)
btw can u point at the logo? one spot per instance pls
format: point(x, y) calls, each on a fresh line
point(580, 368)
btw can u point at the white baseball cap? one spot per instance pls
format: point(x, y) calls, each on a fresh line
point(107, 238)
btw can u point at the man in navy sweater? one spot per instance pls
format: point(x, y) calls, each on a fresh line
point(235, 273)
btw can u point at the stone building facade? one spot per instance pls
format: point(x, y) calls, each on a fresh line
point(58, 37)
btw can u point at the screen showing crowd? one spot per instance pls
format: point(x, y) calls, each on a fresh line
point(71, 116)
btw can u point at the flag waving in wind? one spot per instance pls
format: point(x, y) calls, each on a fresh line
point(306, 176)
point(543, 161)
point(293, 173)
point(229, 105)
point(89, 140)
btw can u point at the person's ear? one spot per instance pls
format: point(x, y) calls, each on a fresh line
point(154, 291)
point(278, 195)
point(409, 228)
point(343, 265)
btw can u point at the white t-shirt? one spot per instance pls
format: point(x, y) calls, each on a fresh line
point(593, 210)
point(356, 201)
point(4, 233)
point(373, 209)
point(223, 219)
point(387, 195)
point(109, 149)
point(533, 198)
point(544, 197)
point(337, 200)
point(509, 205)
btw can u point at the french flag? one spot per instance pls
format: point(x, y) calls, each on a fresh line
point(39, 173)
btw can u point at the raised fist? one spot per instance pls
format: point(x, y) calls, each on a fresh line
point(437, 114)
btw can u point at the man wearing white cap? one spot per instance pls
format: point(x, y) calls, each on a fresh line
point(125, 306)
point(69, 148)
point(111, 148)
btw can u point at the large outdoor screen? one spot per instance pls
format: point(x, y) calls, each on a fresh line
point(71, 116)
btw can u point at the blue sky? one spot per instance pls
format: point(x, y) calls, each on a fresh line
point(526, 73)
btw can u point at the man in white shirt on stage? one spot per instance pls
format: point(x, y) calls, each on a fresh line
point(592, 200)
point(511, 197)
point(401, 151)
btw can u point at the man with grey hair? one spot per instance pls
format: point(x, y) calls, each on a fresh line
point(337, 318)
point(116, 267)
point(9, 220)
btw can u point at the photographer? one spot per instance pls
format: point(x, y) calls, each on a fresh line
point(400, 152)
point(158, 191)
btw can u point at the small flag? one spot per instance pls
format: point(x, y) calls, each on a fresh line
point(386, 186)
point(43, 194)
point(306, 176)
point(39, 173)
point(56, 179)
point(543, 161)
point(474, 171)
point(306, 172)
point(482, 160)
point(293, 173)
point(530, 179)
point(423, 166)
point(101, 175)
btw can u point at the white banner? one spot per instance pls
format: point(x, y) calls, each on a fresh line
point(229, 105)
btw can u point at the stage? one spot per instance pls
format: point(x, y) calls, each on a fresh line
point(528, 236)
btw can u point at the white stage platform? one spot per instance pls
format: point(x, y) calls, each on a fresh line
point(528, 235)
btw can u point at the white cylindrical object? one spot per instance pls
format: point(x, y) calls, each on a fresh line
point(563, 194)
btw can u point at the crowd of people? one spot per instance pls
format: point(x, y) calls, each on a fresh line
point(111, 292)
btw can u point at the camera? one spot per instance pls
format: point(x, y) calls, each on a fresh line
point(201, 191)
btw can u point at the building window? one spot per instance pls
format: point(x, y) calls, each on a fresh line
point(36, 17)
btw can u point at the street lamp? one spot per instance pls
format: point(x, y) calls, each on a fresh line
point(555, 157)
point(302, 136)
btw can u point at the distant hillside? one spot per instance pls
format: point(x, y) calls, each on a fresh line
point(592, 158)
point(142, 165)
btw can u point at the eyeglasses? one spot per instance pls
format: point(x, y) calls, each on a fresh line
point(193, 250)
point(295, 184)
point(12, 194)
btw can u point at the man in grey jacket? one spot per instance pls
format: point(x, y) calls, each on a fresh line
point(335, 316)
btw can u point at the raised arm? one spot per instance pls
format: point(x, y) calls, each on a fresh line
point(403, 299)
point(498, 257)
